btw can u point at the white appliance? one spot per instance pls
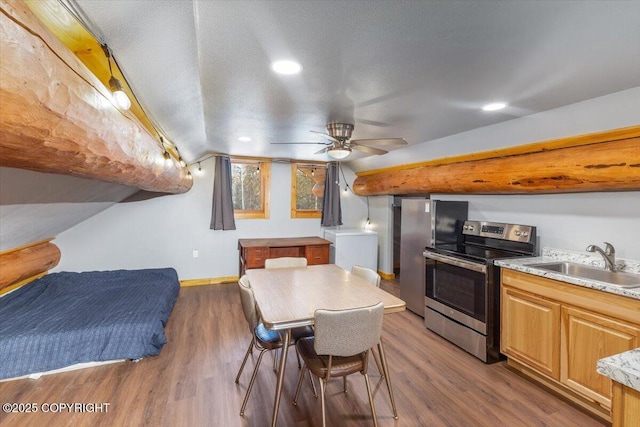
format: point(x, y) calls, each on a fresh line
point(351, 247)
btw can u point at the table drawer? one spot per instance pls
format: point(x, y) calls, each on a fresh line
point(254, 257)
point(317, 254)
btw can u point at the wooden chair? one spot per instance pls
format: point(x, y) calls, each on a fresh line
point(367, 274)
point(285, 262)
point(341, 347)
point(262, 339)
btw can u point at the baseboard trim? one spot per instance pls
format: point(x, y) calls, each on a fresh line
point(209, 281)
point(387, 276)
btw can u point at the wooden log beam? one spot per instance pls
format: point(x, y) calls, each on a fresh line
point(545, 168)
point(57, 117)
point(27, 261)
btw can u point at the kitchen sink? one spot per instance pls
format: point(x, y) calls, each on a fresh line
point(617, 278)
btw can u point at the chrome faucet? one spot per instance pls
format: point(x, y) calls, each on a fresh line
point(609, 255)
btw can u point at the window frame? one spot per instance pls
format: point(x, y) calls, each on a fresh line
point(265, 184)
point(302, 213)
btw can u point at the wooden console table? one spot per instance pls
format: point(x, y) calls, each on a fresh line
point(253, 252)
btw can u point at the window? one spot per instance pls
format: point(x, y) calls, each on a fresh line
point(307, 190)
point(250, 186)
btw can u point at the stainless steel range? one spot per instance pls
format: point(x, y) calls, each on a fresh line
point(463, 286)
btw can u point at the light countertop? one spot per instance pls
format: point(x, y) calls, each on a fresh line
point(623, 368)
point(557, 255)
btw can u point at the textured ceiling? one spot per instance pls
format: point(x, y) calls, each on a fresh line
point(418, 70)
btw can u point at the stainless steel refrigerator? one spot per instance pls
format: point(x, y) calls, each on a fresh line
point(425, 222)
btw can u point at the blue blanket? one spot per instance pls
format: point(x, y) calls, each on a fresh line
point(67, 318)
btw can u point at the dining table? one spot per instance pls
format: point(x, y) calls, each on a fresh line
point(288, 298)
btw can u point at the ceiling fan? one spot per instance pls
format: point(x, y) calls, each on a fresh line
point(341, 144)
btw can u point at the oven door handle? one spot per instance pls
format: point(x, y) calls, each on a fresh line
point(480, 268)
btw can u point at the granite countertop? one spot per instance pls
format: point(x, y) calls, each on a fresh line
point(556, 255)
point(623, 368)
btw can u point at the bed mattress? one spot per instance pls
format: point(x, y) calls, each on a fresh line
point(67, 318)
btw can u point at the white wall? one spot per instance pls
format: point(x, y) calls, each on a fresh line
point(382, 223)
point(354, 208)
point(567, 221)
point(164, 231)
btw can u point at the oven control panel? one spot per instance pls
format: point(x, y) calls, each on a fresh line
point(499, 230)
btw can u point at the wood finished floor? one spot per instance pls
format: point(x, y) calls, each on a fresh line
point(191, 383)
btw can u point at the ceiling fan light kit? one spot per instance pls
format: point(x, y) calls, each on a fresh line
point(342, 145)
point(339, 153)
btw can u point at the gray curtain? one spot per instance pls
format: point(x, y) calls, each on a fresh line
point(331, 210)
point(222, 208)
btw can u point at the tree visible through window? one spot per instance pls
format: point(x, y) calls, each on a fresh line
point(250, 187)
point(307, 190)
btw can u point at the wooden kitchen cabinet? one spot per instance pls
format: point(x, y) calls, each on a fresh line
point(254, 252)
point(555, 332)
point(586, 338)
point(530, 331)
point(625, 406)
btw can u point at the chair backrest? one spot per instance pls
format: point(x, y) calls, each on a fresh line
point(285, 262)
point(348, 332)
point(367, 274)
point(248, 303)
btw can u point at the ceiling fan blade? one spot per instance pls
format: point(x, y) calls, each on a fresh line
point(366, 149)
point(372, 123)
point(381, 141)
point(325, 135)
point(308, 143)
point(324, 150)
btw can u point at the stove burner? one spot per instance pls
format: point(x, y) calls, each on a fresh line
point(485, 255)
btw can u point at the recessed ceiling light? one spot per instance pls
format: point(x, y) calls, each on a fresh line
point(286, 67)
point(244, 138)
point(494, 106)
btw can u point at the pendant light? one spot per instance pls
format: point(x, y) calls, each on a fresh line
point(119, 96)
point(165, 153)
